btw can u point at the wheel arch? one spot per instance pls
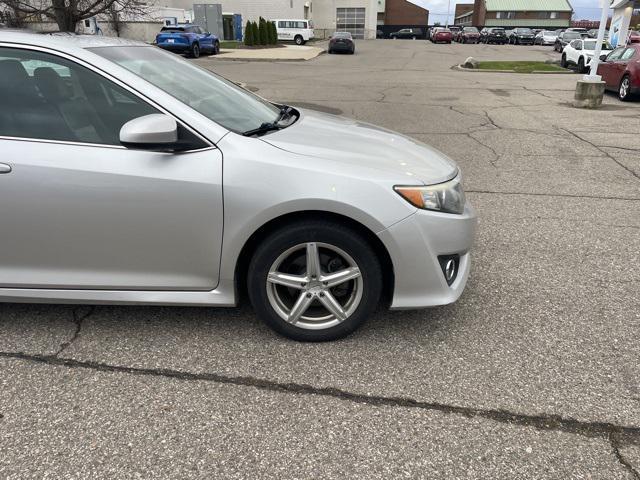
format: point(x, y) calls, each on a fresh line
point(250, 245)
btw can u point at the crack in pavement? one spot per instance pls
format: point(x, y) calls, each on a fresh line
point(595, 197)
point(615, 434)
point(607, 154)
point(77, 320)
point(615, 442)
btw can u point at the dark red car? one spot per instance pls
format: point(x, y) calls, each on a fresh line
point(634, 37)
point(441, 35)
point(620, 71)
point(469, 35)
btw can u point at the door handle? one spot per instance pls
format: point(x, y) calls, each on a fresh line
point(4, 168)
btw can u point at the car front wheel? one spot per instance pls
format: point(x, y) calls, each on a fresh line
point(314, 281)
point(563, 61)
point(195, 50)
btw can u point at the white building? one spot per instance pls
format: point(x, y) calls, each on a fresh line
point(360, 17)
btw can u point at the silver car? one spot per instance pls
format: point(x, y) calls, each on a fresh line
point(131, 176)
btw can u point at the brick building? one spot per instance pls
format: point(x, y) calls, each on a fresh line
point(403, 12)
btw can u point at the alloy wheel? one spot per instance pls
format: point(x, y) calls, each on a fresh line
point(314, 286)
point(624, 88)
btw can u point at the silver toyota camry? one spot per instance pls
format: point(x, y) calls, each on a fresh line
point(130, 176)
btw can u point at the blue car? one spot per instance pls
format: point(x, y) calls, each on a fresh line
point(187, 38)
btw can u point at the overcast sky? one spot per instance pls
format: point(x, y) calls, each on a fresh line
point(587, 9)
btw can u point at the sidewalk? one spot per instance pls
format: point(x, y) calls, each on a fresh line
point(286, 53)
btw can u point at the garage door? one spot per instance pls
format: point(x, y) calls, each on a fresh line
point(351, 20)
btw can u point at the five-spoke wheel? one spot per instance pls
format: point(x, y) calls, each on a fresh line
point(315, 281)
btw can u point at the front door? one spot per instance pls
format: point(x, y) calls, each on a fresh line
point(79, 211)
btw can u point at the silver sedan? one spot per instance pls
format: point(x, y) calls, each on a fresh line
point(130, 176)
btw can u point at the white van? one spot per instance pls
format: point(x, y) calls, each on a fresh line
point(297, 30)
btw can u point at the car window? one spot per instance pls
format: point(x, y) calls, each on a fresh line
point(281, 24)
point(51, 98)
point(627, 54)
point(616, 54)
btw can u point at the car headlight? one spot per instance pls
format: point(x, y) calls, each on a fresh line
point(447, 197)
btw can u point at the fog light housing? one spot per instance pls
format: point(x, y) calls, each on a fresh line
point(449, 265)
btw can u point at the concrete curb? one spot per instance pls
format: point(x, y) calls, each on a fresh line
point(477, 70)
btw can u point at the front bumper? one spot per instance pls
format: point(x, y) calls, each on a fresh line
point(414, 245)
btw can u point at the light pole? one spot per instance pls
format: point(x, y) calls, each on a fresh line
point(446, 24)
point(593, 72)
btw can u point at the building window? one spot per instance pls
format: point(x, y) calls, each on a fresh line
point(547, 15)
point(505, 14)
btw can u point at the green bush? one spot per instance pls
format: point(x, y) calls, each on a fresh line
point(264, 34)
point(274, 33)
point(248, 34)
point(256, 33)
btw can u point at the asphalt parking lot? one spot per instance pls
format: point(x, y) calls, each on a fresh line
point(533, 373)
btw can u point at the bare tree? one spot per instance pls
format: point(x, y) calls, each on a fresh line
point(67, 13)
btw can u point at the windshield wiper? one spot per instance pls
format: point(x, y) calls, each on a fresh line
point(266, 127)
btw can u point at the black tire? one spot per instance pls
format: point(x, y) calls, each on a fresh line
point(329, 51)
point(563, 61)
point(334, 234)
point(216, 48)
point(353, 51)
point(581, 66)
point(195, 51)
point(624, 97)
point(298, 40)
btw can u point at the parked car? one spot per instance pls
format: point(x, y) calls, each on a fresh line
point(121, 163)
point(580, 53)
point(582, 31)
point(620, 70)
point(455, 31)
point(593, 33)
point(564, 38)
point(634, 36)
point(407, 33)
point(521, 36)
point(342, 42)
point(441, 35)
point(469, 35)
point(379, 34)
point(546, 37)
point(493, 35)
point(187, 38)
point(300, 31)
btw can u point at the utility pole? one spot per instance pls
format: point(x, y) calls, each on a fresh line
point(446, 24)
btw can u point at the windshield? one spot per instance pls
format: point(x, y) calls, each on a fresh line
point(591, 45)
point(211, 95)
point(549, 33)
point(524, 31)
point(571, 35)
point(470, 29)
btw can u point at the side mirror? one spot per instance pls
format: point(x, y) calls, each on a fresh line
point(603, 57)
point(155, 132)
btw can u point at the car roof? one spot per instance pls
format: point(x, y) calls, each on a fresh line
point(65, 42)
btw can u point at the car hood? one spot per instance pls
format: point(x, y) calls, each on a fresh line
point(358, 146)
